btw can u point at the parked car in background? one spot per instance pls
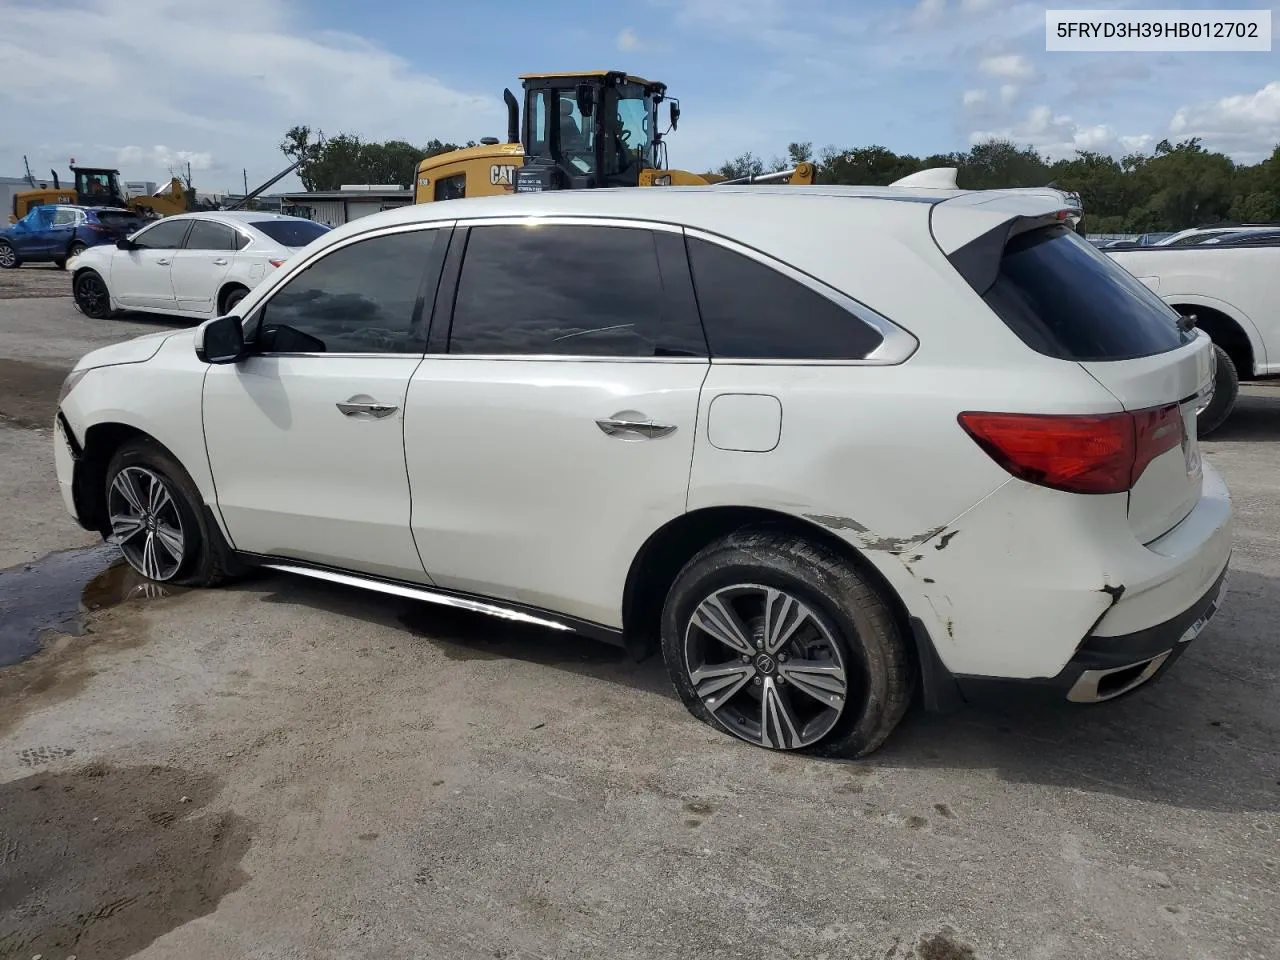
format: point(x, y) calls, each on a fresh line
point(54, 233)
point(781, 439)
point(1232, 288)
point(191, 265)
point(1149, 239)
point(1194, 236)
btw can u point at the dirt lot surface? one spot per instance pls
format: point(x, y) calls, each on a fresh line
point(36, 280)
point(282, 769)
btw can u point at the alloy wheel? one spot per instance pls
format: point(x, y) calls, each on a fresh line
point(91, 295)
point(766, 666)
point(145, 523)
point(8, 257)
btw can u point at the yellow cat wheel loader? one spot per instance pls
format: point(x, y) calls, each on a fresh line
point(598, 128)
point(100, 187)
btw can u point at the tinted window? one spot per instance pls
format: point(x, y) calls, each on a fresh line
point(566, 291)
point(1067, 300)
point(66, 217)
point(208, 235)
point(290, 233)
point(751, 311)
point(359, 299)
point(165, 235)
point(451, 188)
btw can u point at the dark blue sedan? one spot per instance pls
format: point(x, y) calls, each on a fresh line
point(54, 233)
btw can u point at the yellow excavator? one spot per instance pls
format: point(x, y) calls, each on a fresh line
point(100, 187)
point(597, 128)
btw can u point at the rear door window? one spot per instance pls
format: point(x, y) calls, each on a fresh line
point(569, 290)
point(290, 233)
point(210, 235)
point(165, 235)
point(1065, 299)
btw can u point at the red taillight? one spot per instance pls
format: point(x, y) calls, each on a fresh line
point(276, 263)
point(96, 228)
point(1101, 453)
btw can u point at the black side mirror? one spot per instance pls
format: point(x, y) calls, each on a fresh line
point(124, 243)
point(585, 94)
point(221, 341)
point(675, 113)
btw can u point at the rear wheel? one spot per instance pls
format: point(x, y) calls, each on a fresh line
point(231, 298)
point(1226, 388)
point(75, 249)
point(91, 295)
point(781, 643)
point(8, 256)
point(157, 520)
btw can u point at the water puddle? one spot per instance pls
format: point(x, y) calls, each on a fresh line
point(51, 595)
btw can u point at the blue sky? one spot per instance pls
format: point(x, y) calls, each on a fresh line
point(146, 84)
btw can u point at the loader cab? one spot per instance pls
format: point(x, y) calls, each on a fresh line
point(98, 187)
point(583, 130)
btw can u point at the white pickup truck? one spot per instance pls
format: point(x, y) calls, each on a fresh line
point(1233, 291)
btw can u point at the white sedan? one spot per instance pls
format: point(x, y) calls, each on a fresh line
point(197, 265)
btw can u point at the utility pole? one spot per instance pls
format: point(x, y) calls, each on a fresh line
point(245, 171)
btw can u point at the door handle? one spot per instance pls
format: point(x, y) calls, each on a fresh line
point(220, 262)
point(163, 262)
point(366, 409)
point(626, 426)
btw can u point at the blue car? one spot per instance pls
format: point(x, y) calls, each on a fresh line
point(54, 233)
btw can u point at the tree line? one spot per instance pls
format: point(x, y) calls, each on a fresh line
point(1177, 185)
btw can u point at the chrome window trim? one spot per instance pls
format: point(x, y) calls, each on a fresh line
point(317, 255)
point(896, 345)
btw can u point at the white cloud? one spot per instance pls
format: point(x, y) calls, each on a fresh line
point(627, 39)
point(972, 98)
point(976, 6)
point(162, 158)
point(1009, 93)
point(1057, 135)
point(239, 74)
point(1011, 66)
point(1246, 125)
point(928, 12)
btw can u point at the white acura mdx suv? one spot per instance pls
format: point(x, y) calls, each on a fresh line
point(831, 448)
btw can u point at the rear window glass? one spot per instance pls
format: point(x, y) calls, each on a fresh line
point(290, 233)
point(1065, 299)
point(119, 221)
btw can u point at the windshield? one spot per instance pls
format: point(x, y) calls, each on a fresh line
point(290, 233)
point(632, 131)
point(124, 221)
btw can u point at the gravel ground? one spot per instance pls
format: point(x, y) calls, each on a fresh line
point(285, 769)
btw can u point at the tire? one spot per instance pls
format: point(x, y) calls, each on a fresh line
point(231, 298)
point(75, 249)
point(145, 533)
point(1226, 388)
point(9, 258)
point(91, 296)
point(835, 623)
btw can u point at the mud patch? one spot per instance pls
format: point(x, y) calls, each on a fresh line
point(943, 945)
point(45, 596)
point(52, 595)
point(59, 670)
point(100, 866)
point(29, 393)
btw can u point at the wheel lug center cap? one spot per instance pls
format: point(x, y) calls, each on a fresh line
point(766, 664)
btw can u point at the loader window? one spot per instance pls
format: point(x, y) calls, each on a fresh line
point(451, 188)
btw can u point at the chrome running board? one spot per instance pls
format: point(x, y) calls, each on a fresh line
point(426, 594)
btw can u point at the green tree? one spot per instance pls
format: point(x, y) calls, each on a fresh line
point(331, 162)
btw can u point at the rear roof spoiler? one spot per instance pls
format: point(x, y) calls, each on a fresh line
point(973, 228)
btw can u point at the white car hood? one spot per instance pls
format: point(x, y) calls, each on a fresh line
point(138, 350)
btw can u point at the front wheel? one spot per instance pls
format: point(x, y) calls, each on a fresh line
point(782, 643)
point(1226, 388)
point(8, 256)
point(91, 297)
point(156, 518)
